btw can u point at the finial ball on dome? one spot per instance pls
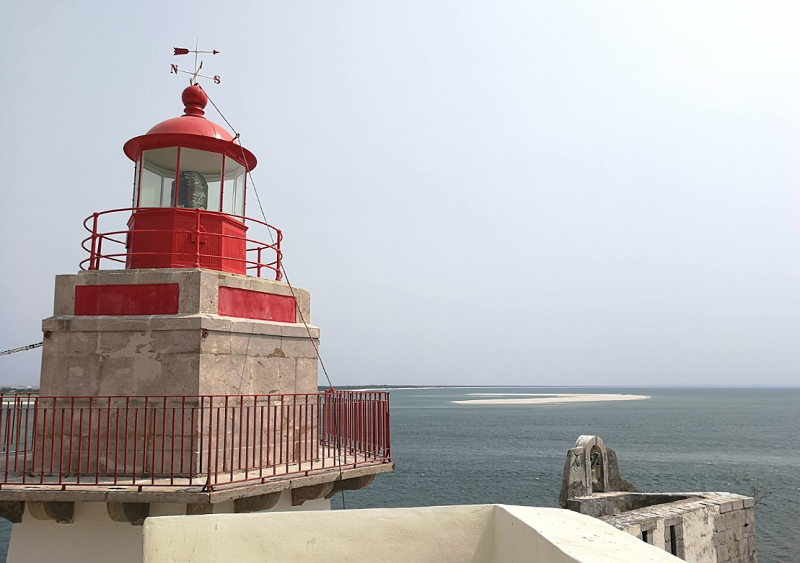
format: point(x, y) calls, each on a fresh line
point(194, 100)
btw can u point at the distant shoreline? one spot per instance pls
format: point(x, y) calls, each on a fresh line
point(423, 387)
point(551, 398)
point(655, 387)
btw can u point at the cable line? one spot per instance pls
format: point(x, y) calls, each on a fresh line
point(21, 349)
point(291, 289)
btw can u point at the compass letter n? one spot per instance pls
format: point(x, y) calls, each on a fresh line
point(173, 69)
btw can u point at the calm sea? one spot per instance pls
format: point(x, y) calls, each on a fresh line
point(678, 440)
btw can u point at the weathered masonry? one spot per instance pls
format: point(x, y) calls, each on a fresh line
point(696, 527)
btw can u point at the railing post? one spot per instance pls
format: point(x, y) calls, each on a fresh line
point(197, 240)
point(99, 251)
point(278, 274)
point(93, 259)
point(258, 264)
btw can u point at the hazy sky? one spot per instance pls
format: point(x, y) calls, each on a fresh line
point(491, 192)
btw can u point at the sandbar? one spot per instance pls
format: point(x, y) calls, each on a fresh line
point(548, 398)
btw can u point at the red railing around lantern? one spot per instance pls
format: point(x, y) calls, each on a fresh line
point(189, 245)
point(187, 441)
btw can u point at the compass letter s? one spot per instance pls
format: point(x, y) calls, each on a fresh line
point(217, 79)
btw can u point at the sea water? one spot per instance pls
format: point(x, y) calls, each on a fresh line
point(744, 441)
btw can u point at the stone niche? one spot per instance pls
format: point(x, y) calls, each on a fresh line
point(162, 332)
point(591, 467)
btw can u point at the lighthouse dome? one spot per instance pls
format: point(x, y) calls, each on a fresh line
point(193, 121)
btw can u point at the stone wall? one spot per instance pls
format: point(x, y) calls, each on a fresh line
point(735, 531)
point(703, 528)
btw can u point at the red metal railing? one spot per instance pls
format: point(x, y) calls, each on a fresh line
point(258, 258)
point(180, 441)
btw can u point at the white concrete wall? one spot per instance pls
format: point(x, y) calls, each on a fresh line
point(548, 535)
point(94, 538)
point(285, 504)
point(457, 535)
point(452, 534)
point(515, 540)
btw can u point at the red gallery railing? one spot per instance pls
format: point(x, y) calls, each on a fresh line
point(180, 441)
point(202, 241)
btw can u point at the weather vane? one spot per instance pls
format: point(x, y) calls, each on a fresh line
point(196, 74)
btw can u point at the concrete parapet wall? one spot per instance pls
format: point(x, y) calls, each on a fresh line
point(609, 504)
point(447, 534)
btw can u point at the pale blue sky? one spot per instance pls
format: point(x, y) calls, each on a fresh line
point(476, 192)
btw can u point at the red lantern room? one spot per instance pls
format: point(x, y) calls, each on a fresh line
point(188, 208)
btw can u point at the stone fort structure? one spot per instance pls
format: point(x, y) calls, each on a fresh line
point(696, 527)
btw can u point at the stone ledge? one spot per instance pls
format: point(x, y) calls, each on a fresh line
point(182, 495)
point(195, 321)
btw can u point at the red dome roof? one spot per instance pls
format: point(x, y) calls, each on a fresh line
point(191, 125)
point(192, 122)
point(191, 130)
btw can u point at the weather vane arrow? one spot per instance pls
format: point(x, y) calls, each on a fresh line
point(181, 51)
point(173, 68)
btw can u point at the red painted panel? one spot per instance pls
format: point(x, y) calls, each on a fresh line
point(247, 304)
point(144, 299)
point(168, 238)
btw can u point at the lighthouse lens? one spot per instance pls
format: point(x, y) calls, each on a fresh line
point(192, 190)
point(187, 178)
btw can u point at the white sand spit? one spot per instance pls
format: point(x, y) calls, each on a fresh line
point(551, 398)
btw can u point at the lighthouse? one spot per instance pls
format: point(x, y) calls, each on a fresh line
point(179, 368)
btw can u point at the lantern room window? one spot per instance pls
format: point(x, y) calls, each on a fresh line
point(157, 169)
point(233, 194)
point(191, 179)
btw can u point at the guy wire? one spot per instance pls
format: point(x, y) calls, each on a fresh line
point(291, 289)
